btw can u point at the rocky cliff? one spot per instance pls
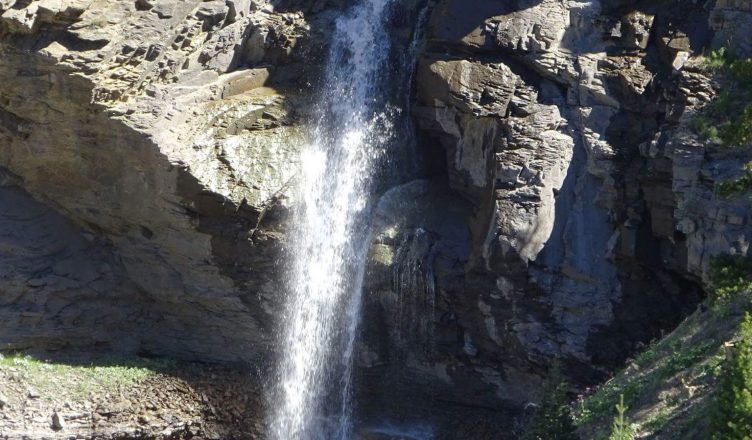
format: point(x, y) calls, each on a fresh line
point(147, 157)
point(572, 214)
point(560, 206)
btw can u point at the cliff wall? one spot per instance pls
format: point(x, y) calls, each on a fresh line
point(561, 205)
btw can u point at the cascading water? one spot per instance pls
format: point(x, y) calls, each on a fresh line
point(331, 237)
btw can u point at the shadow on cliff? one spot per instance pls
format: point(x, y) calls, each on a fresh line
point(453, 22)
point(650, 255)
point(612, 278)
point(673, 25)
point(618, 256)
point(628, 295)
point(673, 19)
point(173, 301)
point(154, 218)
point(167, 292)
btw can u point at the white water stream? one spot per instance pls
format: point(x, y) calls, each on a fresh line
point(330, 238)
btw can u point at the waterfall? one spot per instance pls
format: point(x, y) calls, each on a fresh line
point(331, 236)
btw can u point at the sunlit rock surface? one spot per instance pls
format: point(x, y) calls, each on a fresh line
point(561, 206)
point(166, 133)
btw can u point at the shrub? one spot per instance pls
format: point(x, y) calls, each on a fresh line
point(703, 127)
point(739, 130)
point(716, 59)
point(730, 275)
point(738, 186)
point(728, 118)
point(553, 420)
point(741, 71)
point(622, 428)
point(731, 417)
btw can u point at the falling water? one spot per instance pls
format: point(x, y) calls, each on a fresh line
point(331, 237)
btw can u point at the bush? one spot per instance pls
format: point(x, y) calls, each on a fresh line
point(553, 420)
point(716, 59)
point(703, 127)
point(622, 428)
point(731, 418)
point(739, 130)
point(728, 119)
point(741, 71)
point(738, 186)
point(730, 275)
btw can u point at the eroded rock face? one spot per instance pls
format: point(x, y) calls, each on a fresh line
point(168, 131)
point(149, 151)
point(591, 216)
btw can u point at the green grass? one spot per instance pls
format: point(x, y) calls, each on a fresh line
point(716, 59)
point(682, 360)
point(659, 363)
point(52, 379)
point(658, 420)
point(667, 386)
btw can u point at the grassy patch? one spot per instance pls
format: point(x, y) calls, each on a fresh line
point(716, 59)
point(657, 364)
point(667, 387)
point(51, 379)
point(658, 420)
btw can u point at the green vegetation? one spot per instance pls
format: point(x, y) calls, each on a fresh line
point(716, 59)
point(668, 384)
point(658, 420)
point(728, 119)
point(676, 382)
point(653, 368)
point(49, 379)
point(622, 428)
point(738, 186)
point(705, 128)
point(731, 417)
point(553, 420)
point(730, 275)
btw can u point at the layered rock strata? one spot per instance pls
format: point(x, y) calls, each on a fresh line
point(587, 201)
point(149, 152)
point(165, 133)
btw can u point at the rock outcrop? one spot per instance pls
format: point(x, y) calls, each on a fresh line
point(165, 132)
point(564, 208)
point(565, 128)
